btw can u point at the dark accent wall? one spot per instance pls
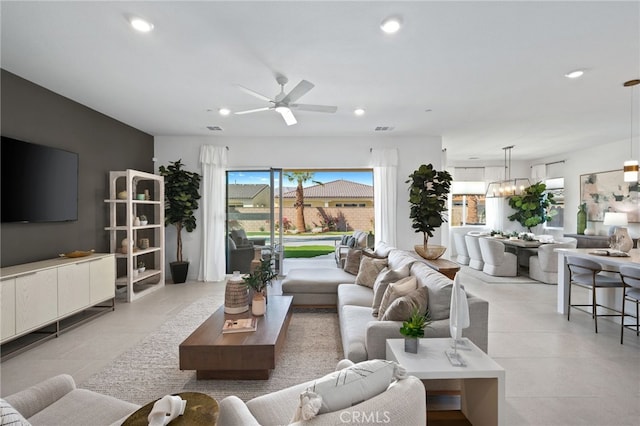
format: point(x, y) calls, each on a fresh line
point(34, 114)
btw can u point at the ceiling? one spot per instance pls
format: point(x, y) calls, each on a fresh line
point(483, 75)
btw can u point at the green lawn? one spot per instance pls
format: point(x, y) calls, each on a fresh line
point(307, 251)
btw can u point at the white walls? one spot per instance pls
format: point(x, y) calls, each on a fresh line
point(338, 152)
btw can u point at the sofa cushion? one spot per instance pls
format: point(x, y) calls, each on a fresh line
point(11, 416)
point(395, 290)
point(352, 264)
point(402, 308)
point(383, 249)
point(353, 329)
point(369, 270)
point(351, 294)
point(317, 280)
point(384, 278)
point(439, 289)
point(347, 387)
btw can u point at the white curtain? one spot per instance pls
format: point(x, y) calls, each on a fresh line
point(214, 165)
point(385, 193)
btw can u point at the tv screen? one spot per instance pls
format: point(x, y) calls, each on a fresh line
point(39, 183)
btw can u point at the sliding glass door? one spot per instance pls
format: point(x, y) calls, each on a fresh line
point(254, 218)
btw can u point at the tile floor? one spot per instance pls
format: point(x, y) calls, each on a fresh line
point(558, 372)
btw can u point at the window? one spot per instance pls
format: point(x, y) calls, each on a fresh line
point(467, 209)
point(556, 187)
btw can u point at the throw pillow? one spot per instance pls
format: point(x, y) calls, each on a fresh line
point(351, 242)
point(395, 290)
point(344, 240)
point(347, 387)
point(352, 264)
point(371, 253)
point(402, 308)
point(10, 416)
point(384, 278)
point(369, 270)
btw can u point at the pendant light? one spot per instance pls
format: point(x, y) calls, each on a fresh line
point(508, 186)
point(631, 166)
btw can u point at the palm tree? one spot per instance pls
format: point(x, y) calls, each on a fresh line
point(300, 178)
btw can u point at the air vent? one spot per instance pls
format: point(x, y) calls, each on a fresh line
point(215, 128)
point(384, 128)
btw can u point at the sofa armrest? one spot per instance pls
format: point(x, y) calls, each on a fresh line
point(376, 337)
point(478, 331)
point(36, 398)
point(234, 412)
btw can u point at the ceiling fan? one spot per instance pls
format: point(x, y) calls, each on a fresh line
point(282, 103)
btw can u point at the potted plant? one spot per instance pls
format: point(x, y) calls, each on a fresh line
point(413, 328)
point(428, 192)
point(182, 192)
point(532, 206)
point(257, 281)
point(141, 266)
point(143, 220)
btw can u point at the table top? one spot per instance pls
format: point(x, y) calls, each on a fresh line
point(634, 256)
point(431, 362)
point(201, 410)
point(521, 243)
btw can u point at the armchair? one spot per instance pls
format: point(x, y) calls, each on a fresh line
point(239, 258)
point(403, 404)
point(496, 261)
point(544, 266)
point(357, 240)
point(239, 237)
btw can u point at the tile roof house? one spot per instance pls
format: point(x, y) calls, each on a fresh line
point(337, 193)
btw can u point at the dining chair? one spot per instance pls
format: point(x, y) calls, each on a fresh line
point(543, 266)
point(631, 279)
point(473, 248)
point(497, 262)
point(587, 274)
point(461, 248)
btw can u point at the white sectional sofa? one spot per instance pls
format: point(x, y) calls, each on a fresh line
point(363, 335)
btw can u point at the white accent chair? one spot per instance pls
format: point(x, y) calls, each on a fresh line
point(497, 262)
point(544, 266)
point(473, 248)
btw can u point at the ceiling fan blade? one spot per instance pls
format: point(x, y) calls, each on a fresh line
point(253, 93)
point(303, 87)
point(287, 115)
point(249, 111)
point(314, 108)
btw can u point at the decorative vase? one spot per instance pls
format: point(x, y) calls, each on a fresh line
point(432, 251)
point(582, 218)
point(125, 245)
point(411, 345)
point(259, 304)
point(136, 221)
point(236, 296)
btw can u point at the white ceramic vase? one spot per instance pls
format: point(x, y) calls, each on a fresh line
point(259, 306)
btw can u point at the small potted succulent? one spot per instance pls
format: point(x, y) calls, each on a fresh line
point(143, 220)
point(413, 328)
point(141, 266)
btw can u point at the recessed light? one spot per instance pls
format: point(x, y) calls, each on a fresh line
point(224, 111)
point(575, 74)
point(359, 112)
point(391, 25)
point(141, 25)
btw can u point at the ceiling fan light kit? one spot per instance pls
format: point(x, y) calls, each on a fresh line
point(283, 103)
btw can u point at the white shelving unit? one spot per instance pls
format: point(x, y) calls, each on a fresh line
point(122, 214)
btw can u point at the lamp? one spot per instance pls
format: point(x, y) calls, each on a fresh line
point(508, 186)
point(631, 166)
point(619, 234)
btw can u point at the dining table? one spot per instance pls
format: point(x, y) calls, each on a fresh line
point(523, 249)
point(610, 263)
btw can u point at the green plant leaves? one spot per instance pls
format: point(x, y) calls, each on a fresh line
point(428, 193)
point(532, 206)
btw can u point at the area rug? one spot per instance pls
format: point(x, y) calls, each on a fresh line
point(149, 370)
point(466, 271)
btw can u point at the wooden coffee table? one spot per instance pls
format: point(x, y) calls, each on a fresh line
point(250, 355)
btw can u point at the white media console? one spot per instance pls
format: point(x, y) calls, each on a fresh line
point(41, 299)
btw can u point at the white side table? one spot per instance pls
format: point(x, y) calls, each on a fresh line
point(482, 392)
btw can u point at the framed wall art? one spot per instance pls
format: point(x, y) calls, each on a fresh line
point(608, 192)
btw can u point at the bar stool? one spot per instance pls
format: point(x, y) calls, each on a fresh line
point(631, 279)
point(585, 273)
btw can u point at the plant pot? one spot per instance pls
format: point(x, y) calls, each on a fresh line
point(179, 271)
point(141, 270)
point(411, 345)
point(259, 305)
point(432, 251)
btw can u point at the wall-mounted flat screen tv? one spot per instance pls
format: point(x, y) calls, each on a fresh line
point(39, 183)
